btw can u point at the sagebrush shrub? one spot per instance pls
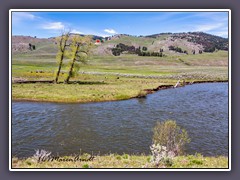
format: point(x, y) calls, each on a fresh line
point(168, 134)
point(160, 155)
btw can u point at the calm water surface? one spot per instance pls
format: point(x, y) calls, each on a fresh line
point(123, 126)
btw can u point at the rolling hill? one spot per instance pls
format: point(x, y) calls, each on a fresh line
point(188, 42)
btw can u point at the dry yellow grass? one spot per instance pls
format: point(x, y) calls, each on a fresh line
point(124, 161)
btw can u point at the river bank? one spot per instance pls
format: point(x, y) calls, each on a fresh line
point(112, 89)
point(66, 127)
point(122, 161)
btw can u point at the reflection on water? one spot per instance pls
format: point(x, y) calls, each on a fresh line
point(123, 126)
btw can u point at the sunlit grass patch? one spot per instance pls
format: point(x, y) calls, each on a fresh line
point(107, 78)
point(125, 161)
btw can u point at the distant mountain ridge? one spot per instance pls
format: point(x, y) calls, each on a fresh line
point(208, 41)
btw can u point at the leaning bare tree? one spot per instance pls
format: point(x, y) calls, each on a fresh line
point(78, 52)
point(62, 46)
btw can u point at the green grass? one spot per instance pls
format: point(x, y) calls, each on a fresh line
point(199, 161)
point(89, 88)
point(107, 78)
point(125, 161)
point(131, 40)
point(132, 64)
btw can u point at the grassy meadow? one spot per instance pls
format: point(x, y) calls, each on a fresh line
point(107, 78)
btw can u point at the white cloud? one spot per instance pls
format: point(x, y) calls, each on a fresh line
point(74, 31)
point(54, 26)
point(19, 16)
point(103, 35)
point(219, 29)
point(97, 34)
point(221, 33)
point(163, 16)
point(110, 31)
point(208, 27)
point(214, 16)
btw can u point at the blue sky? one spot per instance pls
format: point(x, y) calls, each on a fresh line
point(49, 24)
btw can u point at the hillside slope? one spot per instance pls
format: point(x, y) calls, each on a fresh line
point(188, 42)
